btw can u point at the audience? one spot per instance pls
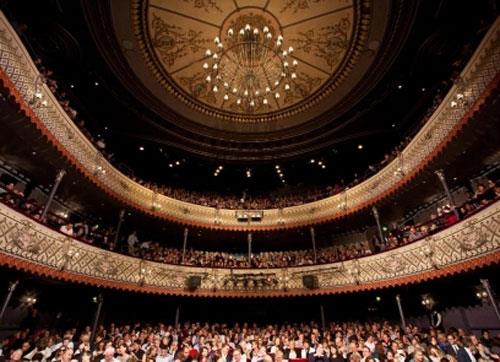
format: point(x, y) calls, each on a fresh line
point(203, 342)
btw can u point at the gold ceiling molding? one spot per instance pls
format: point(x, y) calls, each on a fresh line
point(19, 75)
point(59, 256)
point(328, 37)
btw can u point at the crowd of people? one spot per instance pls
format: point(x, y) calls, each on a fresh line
point(203, 342)
point(446, 215)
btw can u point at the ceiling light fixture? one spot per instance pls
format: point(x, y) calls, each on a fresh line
point(253, 65)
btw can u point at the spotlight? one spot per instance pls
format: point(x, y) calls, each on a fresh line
point(141, 148)
point(360, 147)
point(378, 299)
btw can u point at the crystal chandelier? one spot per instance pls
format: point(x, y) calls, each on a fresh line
point(251, 69)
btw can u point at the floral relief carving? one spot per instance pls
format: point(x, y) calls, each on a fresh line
point(298, 5)
point(172, 42)
point(327, 43)
point(198, 87)
point(303, 87)
point(206, 5)
point(471, 237)
point(24, 237)
point(105, 266)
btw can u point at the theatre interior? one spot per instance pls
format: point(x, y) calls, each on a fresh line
point(249, 181)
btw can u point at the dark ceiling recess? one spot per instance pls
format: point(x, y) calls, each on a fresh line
point(414, 63)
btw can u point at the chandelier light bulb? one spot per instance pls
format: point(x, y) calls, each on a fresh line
point(242, 31)
point(266, 29)
point(280, 38)
point(264, 101)
point(235, 90)
point(285, 64)
point(205, 66)
point(245, 92)
point(208, 53)
point(290, 49)
point(268, 89)
point(285, 53)
point(277, 95)
point(215, 56)
point(252, 103)
point(220, 46)
point(269, 36)
point(277, 82)
point(215, 66)
point(256, 31)
point(294, 75)
point(208, 78)
point(215, 89)
point(247, 27)
point(226, 97)
point(216, 40)
point(230, 32)
point(287, 87)
point(226, 85)
point(295, 62)
point(257, 92)
point(238, 101)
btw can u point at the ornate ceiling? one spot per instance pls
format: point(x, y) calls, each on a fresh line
point(158, 49)
point(174, 36)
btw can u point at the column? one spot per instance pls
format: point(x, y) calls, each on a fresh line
point(59, 177)
point(12, 287)
point(323, 320)
point(118, 227)
point(313, 241)
point(442, 179)
point(249, 238)
point(491, 296)
point(184, 244)
point(379, 227)
point(100, 300)
point(401, 315)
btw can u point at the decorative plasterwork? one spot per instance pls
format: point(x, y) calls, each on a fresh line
point(61, 257)
point(19, 75)
point(174, 35)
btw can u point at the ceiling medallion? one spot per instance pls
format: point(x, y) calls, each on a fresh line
point(252, 66)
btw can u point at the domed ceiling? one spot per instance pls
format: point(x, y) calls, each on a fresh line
point(246, 74)
point(176, 36)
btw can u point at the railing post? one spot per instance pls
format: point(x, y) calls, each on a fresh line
point(59, 177)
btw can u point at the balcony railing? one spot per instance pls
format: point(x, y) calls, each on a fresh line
point(28, 245)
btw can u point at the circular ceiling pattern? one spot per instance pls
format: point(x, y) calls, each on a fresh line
point(177, 38)
point(163, 51)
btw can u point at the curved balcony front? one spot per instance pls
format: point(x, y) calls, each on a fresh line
point(30, 246)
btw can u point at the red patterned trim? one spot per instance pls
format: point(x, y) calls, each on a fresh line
point(26, 110)
point(49, 272)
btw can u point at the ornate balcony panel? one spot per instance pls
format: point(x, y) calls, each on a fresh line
point(20, 76)
point(30, 246)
